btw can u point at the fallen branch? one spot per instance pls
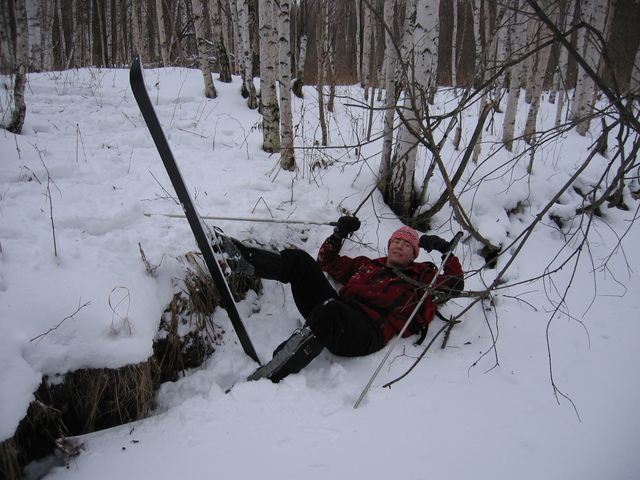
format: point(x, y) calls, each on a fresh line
point(420, 357)
point(243, 219)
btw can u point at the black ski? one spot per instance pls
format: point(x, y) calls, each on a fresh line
point(151, 119)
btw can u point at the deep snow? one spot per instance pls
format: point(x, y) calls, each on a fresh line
point(85, 164)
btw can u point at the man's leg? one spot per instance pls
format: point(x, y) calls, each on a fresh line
point(334, 324)
point(309, 285)
point(345, 330)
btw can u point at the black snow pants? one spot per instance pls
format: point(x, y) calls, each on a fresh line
point(337, 323)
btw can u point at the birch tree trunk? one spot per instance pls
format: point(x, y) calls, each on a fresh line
point(329, 52)
point(515, 37)
point(367, 43)
point(287, 158)
point(35, 32)
point(218, 41)
point(420, 47)
point(244, 47)
point(479, 71)
point(46, 39)
point(400, 194)
point(101, 28)
point(477, 36)
point(595, 13)
point(61, 38)
point(108, 24)
point(454, 46)
point(162, 34)
point(199, 7)
point(18, 16)
point(138, 44)
point(537, 81)
point(390, 63)
point(268, 75)
point(634, 82)
point(298, 83)
point(71, 59)
point(321, 32)
point(559, 80)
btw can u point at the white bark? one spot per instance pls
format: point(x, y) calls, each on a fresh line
point(595, 13)
point(35, 31)
point(21, 42)
point(244, 49)
point(138, 45)
point(268, 76)
point(634, 82)
point(162, 34)
point(367, 40)
point(420, 46)
point(321, 50)
point(516, 38)
point(389, 73)
point(287, 158)
point(46, 30)
point(479, 67)
point(537, 82)
point(559, 80)
point(218, 40)
point(199, 7)
point(454, 46)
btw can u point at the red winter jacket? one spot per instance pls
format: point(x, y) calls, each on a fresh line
point(387, 298)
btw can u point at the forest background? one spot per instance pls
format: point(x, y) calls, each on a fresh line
point(488, 49)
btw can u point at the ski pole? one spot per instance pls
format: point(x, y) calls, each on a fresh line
point(244, 219)
point(452, 246)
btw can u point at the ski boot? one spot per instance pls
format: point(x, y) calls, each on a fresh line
point(290, 357)
point(228, 254)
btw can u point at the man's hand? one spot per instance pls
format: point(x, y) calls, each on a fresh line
point(345, 226)
point(433, 242)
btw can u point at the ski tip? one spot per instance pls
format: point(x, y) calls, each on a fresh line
point(136, 67)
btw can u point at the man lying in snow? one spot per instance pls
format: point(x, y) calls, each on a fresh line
point(377, 297)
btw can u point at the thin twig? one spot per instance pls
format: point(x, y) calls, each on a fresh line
point(61, 322)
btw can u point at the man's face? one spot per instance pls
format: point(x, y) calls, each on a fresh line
point(400, 254)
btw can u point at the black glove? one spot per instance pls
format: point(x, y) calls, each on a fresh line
point(345, 225)
point(433, 242)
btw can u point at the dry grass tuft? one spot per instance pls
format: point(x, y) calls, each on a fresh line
point(93, 399)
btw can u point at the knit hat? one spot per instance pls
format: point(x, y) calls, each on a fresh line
point(407, 234)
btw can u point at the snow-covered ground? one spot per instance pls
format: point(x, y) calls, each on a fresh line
point(74, 293)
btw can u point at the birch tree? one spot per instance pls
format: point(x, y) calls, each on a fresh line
point(46, 31)
point(419, 55)
point(199, 8)
point(559, 86)
point(18, 17)
point(298, 83)
point(389, 74)
point(454, 45)
point(244, 27)
point(224, 67)
point(268, 76)
point(162, 33)
point(634, 82)
point(365, 63)
point(537, 81)
point(322, 27)
point(138, 43)
point(594, 14)
point(516, 42)
point(287, 158)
